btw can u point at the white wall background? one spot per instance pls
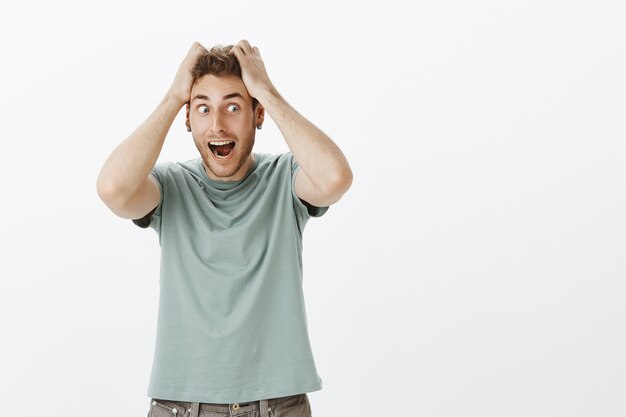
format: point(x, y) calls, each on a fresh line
point(475, 268)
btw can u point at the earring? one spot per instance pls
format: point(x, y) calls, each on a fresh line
point(258, 126)
point(188, 129)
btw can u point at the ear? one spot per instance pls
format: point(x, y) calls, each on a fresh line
point(259, 114)
point(187, 123)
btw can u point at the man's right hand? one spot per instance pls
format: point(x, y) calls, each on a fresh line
point(180, 89)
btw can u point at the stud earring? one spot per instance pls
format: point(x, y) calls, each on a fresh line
point(258, 126)
point(188, 129)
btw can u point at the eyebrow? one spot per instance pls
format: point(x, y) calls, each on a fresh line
point(226, 97)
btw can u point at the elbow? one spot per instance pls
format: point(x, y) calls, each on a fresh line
point(339, 185)
point(345, 180)
point(103, 189)
point(110, 195)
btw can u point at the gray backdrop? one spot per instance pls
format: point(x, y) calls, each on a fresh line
point(475, 268)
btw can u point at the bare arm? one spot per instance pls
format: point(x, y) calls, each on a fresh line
point(325, 174)
point(130, 163)
point(125, 171)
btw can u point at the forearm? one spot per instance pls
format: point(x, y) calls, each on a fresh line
point(130, 163)
point(319, 157)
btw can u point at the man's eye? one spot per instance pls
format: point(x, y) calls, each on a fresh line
point(203, 107)
point(233, 107)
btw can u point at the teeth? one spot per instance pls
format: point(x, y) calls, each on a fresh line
point(221, 142)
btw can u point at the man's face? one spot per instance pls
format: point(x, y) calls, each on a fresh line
point(223, 125)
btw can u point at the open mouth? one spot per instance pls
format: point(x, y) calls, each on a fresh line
point(222, 149)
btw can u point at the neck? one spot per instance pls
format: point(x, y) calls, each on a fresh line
point(247, 167)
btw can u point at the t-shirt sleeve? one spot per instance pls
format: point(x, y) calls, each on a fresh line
point(153, 218)
point(304, 210)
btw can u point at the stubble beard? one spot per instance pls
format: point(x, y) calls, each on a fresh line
point(241, 156)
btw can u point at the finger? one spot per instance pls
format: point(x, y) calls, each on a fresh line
point(236, 50)
point(245, 45)
point(255, 50)
point(239, 50)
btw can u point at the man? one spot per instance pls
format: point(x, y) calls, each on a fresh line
point(232, 332)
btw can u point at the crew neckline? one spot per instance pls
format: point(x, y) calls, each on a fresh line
point(225, 185)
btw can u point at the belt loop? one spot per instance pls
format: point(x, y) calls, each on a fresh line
point(264, 411)
point(195, 408)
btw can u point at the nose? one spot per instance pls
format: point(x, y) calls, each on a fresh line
point(217, 123)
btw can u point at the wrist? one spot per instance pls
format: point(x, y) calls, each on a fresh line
point(174, 99)
point(268, 95)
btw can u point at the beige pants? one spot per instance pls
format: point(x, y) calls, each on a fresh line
point(290, 406)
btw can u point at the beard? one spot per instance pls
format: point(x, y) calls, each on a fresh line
point(242, 150)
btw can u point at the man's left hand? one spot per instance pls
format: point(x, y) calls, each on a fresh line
point(253, 71)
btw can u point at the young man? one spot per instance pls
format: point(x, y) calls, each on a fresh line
point(232, 331)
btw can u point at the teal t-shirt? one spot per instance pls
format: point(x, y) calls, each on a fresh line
point(232, 323)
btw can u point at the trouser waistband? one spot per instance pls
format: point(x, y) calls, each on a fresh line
point(231, 409)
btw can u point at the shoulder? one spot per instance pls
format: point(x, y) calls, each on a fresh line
point(271, 159)
point(273, 163)
point(177, 172)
